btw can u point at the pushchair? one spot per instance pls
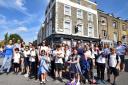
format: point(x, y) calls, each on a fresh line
point(87, 71)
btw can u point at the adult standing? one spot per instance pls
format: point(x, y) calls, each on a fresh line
point(121, 51)
point(8, 56)
point(59, 55)
point(32, 60)
point(18, 45)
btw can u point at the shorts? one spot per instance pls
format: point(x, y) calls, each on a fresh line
point(122, 57)
point(16, 65)
point(114, 71)
point(26, 61)
point(58, 66)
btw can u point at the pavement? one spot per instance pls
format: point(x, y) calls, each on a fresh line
point(12, 79)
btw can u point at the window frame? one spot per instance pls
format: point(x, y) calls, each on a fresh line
point(90, 17)
point(80, 13)
point(65, 9)
point(67, 20)
point(90, 25)
point(115, 24)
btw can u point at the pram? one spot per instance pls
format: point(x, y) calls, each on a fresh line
point(86, 71)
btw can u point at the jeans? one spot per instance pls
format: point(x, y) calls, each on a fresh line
point(6, 63)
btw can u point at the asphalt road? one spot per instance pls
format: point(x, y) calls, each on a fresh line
point(13, 79)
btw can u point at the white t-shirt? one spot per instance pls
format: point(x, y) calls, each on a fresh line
point(16, 58)
point(58, 58)
point(67, 54)
point(101, 59)
point(44, 48)
point(113, 60)
point(89, 54)
point(26, 53)
point(32, 55)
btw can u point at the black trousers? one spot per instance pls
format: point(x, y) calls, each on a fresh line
point(32, 68)
point(100, 70)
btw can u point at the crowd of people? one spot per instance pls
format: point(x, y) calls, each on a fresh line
point(61, 61)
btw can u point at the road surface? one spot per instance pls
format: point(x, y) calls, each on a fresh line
point(13, 79)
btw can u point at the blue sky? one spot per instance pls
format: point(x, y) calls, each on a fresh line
point(118, 7)
point(21, 16)
point(25, 16)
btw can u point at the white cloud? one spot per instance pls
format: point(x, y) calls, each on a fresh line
point(18, 5)
point(2, 19)
point(18, 30)
point(22, 29)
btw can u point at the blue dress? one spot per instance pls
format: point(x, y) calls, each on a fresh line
point(9, 50)
point(43, 67)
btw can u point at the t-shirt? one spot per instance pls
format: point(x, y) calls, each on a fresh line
point(120, 50)
point(67, 54)
point(106, 51)
point(58, 56)
point(113, 60)
point(26, 53)
point(101, 58)
point(16, 58)
point(32, 55)
point(44, 48)
point(89, 54)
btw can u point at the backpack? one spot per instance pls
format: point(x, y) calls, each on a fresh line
point(117, 58)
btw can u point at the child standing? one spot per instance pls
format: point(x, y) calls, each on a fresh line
point(16, 60)
point(43, 67)
point(75, 69)
point(101, 63)
point(113, 65)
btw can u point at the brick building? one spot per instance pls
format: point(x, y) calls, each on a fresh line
point(68, 21)
point(111, 28)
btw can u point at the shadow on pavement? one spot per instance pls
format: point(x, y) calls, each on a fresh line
point(126, 65)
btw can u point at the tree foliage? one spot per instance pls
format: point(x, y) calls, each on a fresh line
point(16, 37)
point(6, 37)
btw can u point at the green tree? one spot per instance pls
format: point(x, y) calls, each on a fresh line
point(6, 37)
point(15, 37)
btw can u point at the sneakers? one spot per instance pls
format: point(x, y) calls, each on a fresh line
point(26, 75)
point(103, 81)
point(78, 83)
point(41, 82)
point(60, 79)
